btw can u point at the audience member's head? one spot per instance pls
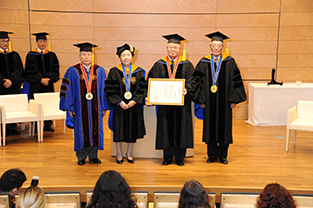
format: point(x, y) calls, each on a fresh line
point(31, 197)
point(11, 181)
point(111, 190)
point(275, 196)
point(193, 195)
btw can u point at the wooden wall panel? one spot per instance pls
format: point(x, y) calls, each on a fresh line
point(289, 74)
point(250, 34)
point(62, 5)
point(247, 20)
point(154, 21)
point(297, 19)
point(244, 6)
point(61, 19)
point(296, 47)
point(14, 5)
point(14, 16)
point(152, 6)
point(297, 5)
point(295, 61)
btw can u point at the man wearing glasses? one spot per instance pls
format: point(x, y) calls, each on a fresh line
point(220, 89)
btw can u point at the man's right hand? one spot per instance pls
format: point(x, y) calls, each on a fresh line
point(71, 113)
point(202, 105)
point(147, 103)
point(123, 105)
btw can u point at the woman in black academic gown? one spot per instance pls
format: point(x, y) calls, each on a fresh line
point(125, 89)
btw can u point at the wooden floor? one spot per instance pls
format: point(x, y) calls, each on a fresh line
point(256, 158)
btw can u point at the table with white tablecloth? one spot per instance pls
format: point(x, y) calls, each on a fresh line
point(268, 104)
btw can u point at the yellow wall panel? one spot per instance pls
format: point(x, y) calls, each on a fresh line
point(62, 5)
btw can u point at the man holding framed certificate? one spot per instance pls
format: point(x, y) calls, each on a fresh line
point(174, 119)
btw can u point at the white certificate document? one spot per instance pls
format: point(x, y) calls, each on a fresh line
point(166, 91)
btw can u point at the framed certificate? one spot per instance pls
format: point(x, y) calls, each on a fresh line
point(166, 91)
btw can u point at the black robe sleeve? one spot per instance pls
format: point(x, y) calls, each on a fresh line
point(237, 91)
point(140, 86)
point(112, 87)
point(197, 84)
point(53, 71)
point(17, 76)
point(32, 73)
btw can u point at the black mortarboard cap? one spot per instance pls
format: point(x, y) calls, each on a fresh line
point(218, 36)
point(85, 46)
point(123, 48)
point(4, 34)
point(41, 35)
point(173, 38)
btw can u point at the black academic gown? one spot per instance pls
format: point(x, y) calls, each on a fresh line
point(11, 68)
point(174, 123)
point(128, 125)
point(40, 66)
point(217, 118)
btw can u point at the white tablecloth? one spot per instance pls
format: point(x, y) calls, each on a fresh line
point(268, 105)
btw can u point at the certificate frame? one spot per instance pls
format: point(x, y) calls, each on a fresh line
point(162, 91)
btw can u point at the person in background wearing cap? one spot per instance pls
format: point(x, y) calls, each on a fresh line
point(174, 123)
point(41, 70)
point(125, 88)
point(82, 95)
point(11, 73)
point(11, 183)
point(220, 89)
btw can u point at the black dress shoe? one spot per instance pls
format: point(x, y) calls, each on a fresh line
point(130, 160)
point(180, 163)
point(211, 159)
point(48, 128)
point(95, 160)
point(224, 161)
point(81, 162)
point(166, 162)
point(119, 161)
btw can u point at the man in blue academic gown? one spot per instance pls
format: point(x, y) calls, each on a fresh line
point(82, 95)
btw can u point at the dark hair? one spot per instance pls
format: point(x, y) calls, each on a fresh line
point(13, 178)
point(112, 191)
point(275, 196)
point(193, 195)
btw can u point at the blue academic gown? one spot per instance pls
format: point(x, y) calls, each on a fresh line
point(70, 100)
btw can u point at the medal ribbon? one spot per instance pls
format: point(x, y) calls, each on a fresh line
point(87, 82)
point(172, 76)
point(215, 74)
point(127, 78)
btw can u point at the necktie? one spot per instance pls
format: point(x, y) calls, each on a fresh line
point(172, 66)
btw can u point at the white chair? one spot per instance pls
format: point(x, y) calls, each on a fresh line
point(142, 200)
point(303, 200)
point(15, 109)
point(238, 200)
point(4, 200)
point(63, 199)
point(168, 199)
point(50, 108)
point(300, 118)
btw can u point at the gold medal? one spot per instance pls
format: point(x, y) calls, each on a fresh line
point(89, 96)
point(128, 95)
point(214, 88)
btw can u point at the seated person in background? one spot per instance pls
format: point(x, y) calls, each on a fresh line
point(11, 182)
point(111, 191)
point(31, 197)
point(275, 196)
point(193, 195)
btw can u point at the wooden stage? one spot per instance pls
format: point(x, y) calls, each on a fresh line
point(256, 158)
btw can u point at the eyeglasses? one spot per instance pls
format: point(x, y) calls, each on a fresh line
point(4, 41)
point(173, 47)
point(217, 45)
